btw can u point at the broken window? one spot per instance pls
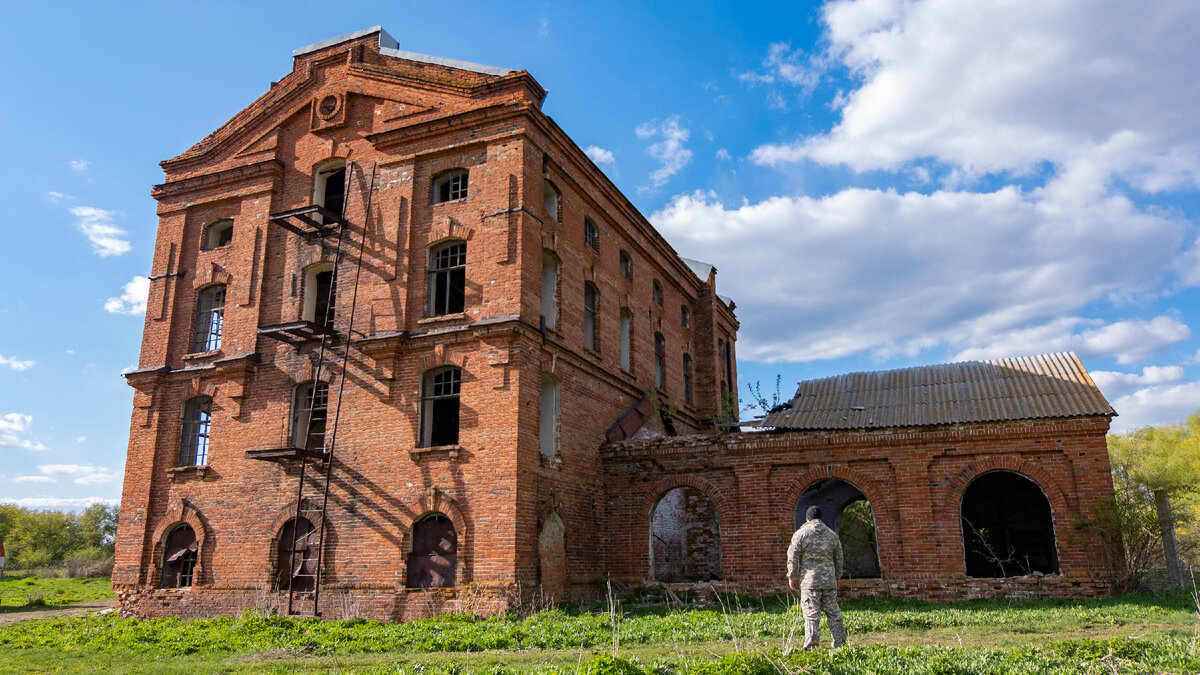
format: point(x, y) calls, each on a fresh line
point(180, 553)
point(310, 404)
point(591, 327)
point(197, 421)
point(548, 416)
point(330, 188)
point(210, 318)
point(685, 537)
point(658, 293)
point(687, 379)
point(447, 278)
point(320, 294)
point(218, 234)
point(626, 339)
point(449, 186)
point(550, 267)
point(626, 265)
point(298, 547)
point(434, 554)
point(1008, 529)
point(660, 346)
point(846, 511)
point(552, 201)
point(591, 234)
point(685, 316)
point(439, 407)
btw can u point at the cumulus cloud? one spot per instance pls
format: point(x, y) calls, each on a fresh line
point(97, 225)
point(1130, 341)
point(80, 164)
point(1160, 404)
point(58, 502)
point(1116, 384)
point(33, 479)
point(670, 150)
point(133, 298)
point(80, 474)
point(885, 273)
point(599, 155)
point(15, 363)
point(14, 430)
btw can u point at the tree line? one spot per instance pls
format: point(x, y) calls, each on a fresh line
point(48, 538)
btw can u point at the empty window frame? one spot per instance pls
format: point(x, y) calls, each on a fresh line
point(626, 339)
point(440, 407)
point(552, 201)
point(320, 295)
point(329, 189)
point(549, 415)
point(550, 268)
point(626, 265)
point(298, 548)
point(660, 346)
point(657, 293)
point(218, 234)
point(591, 234)
point(729, 361)
point(180, 554)
point(434, 556)
point(685, 316)
point(210, 318)
point(310, 411)
point(197, 424)
point(450, 185)
point(687, 379)
point(447, 278)
point(591, 326)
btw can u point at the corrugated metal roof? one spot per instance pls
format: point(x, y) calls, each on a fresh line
point(1031, 387)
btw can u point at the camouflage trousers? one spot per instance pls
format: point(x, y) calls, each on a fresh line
point(812, 601)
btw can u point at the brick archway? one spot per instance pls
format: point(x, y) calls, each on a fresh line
point(721, 503)
point(435, 502)
point(282, 516)
point(186, 514)
point(882, 501)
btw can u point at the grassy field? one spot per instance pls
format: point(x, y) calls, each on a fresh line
point(23, 591)
point(1134, 634)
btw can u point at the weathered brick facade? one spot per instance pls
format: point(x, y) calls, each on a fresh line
point(552, 318)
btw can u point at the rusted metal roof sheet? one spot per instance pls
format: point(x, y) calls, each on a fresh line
point(1030, 387)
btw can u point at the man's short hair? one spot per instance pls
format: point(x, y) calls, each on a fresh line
point(813, 513)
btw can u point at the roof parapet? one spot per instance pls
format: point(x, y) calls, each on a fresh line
point(388, 46)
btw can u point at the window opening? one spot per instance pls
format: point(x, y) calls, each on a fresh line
point(197, 423)
point(320, 295)
point(180, 554)
point(549, 415)
point(331, 188)
point(658, 293)
point(450, 186)
point(626, 338)
point(218, 234)
point(591, 235)
point(729, 361)
point(448, 279)
point(210, 318)
point(626, 265)
point(440, 408)
point(297, 561)
point(685, 316)
point(550, 267)
point(310, 406)
point(685, 537)
point(552, 201)
point(846, 511)
point(434, 556)
point(1008, 528)
point(591, 331)
point(687, 379)
point(660, 346)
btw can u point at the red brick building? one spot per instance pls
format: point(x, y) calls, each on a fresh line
point(407, 349)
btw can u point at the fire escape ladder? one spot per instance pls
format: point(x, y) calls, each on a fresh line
point(316, 467)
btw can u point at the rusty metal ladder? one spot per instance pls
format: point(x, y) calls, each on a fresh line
point(316, 468)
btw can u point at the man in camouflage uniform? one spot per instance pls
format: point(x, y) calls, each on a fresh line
point(814, 566)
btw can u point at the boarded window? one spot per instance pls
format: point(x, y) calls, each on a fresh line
point(1007, 527)
point(550, 267)
point(626, 339)
point(210, 318)
point(450, 185)
point(180, 553)
point(845, 509)
point(439, 409)
point(548, 416)
point(591, 327)
point(434, 556)
point(197, 423)
point(685, 537)
point(447, 278)
point(298, 547)
point(552, 558)
point(310, 405)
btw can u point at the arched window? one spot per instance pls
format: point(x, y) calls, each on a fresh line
point(657, 293)
point(550, 267)
point(447, 278)
point(320, 294)
point(310, 409)
point(846, 510)
point(450, 185)
point(439, 407)
point(434, 556)
point(329, 186)
point(552, 201)
point(660, 346)
point(626, 339)
point(197, 422)
point(180, 553)
point(729, 361)
point(548, 415)
point(626, 265)
point(685, 537)
point(1008, 529)
point(591, 234)
point(298, 548)
point(218, 234)
point(687, 379)
point(210, 318)
point(685, 316)
point(591, 327)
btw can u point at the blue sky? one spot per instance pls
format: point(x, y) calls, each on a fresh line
point(880, 183)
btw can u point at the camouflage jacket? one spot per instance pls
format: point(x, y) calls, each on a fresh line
point(815, 556)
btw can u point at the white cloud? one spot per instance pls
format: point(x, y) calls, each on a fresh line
point(786, 66)
point(81, 439)
point(723, 155)
point(1160, 404)
point(96, 225)
point(874, 271)
point(14, 428)
point(55, 197)
point(80, 164)
point(82, 474)
point(58, 502)
point(1130, 341)
point(15, 363)
point(133, 298)
point(599, 155)
point(1115, 384)
point(33, 479)
point(671, 151)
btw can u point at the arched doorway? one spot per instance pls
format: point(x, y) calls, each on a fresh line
point(685, 537)
point(847, 511)
point(1007, 527)
point(434, 556)
point(552, 557)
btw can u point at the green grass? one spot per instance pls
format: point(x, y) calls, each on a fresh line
point(24, 592)
point(1131, 634)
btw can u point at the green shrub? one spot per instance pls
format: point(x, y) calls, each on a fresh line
point(607, 664)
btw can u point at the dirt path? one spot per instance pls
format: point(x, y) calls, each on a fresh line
point(57, 612)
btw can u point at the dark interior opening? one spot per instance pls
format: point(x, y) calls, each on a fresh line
point(434, 553)
point(1007, 527)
